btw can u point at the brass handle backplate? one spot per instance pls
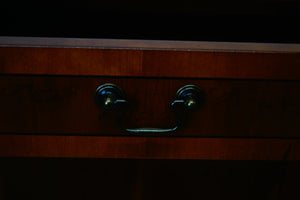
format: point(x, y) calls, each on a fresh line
point(111, 97)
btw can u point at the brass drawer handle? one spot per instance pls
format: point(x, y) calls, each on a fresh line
point(111, 97)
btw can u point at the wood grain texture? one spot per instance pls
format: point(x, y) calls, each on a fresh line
point(146, 148)
point(149, 63)
point(65, 105)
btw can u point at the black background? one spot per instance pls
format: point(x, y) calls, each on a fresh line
point(214, 20)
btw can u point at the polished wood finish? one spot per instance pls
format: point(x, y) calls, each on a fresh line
point(149, 44)
point(252, 90)
point(150, 63)
point(65, 105)
point(249, 93)
point(148, 148)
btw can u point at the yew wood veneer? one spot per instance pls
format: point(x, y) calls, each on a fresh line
point(251, 108)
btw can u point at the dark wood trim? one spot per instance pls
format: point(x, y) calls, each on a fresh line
point(149, 148)
point(149, 44)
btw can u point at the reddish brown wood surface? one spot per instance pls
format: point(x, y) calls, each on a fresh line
point(65, 105)
point(150, 63)
point(148, 147)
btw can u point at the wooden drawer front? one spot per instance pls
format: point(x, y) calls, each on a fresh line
point(65, 105)
point(247, 64)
